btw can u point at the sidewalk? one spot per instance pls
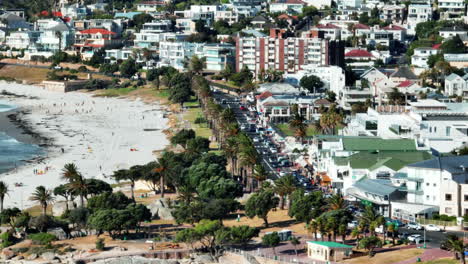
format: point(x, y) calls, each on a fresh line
point(429, 254)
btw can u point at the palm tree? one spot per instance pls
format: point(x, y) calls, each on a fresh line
point(370, 219)
point(259, 174)
point(248, 157)
point(3, 191)
point(313, 227)
point(162, 167)
point(43, 197)
point(337, 202)
point(295, 242)
point(77, 183)
point(392, 229)
point(342, 229)
point(284, 186)
point(455, 244)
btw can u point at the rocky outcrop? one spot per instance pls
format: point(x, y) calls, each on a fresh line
point(160, 209)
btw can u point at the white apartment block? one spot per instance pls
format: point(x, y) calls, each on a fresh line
point(291, 7)
point(393, 13)
point(22, 39)
point(176, 53)
point(451, 8)
point(417, 14)
point(456, 85)
point(151, 40)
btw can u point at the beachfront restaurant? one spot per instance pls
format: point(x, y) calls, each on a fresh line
point(328, 251)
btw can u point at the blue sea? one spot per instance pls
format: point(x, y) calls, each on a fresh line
point(13, 153)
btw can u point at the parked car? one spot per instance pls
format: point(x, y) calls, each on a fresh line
point(223, 101)
point(256, 139)
point(432, 227)
point(243, 127)
point(273, 150)
point(353, 224)
point(415, 226)
point(414, 237)
point(403, 235)
point(272, 159)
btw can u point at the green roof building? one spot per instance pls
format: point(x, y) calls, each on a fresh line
point(328, 250)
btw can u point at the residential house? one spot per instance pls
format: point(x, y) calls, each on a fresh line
point(126, 15)
point(114, 25)
point(149, 6)
point(219, 56)
point(76, 11)
point(114, 55)
point(441, 182)
point(421, 55)
point(90, 40)
point(327, 31)
point(378, 80)
point(175, 54)
point(450, 32)
point(22, 39)
point(59, 36)
point(418, 13)
point(359, 55)
point(457, 60)
point(352, 95)
point(291, 7)
point(456, 85)
point(402, 74)
point(451, 9)
point(150, 40)
point(260, 22)
point(393, 13)
point(12, 22)
point(399, 33)
point(247, 8)
point(320, 4)
point(342, 4)
point(186, 25)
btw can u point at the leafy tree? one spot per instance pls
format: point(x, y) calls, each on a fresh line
point(43, 197)
point(271, 240)
point(107, 200)
point(433, 59)
point(180, 88)
point(182, 137)
point(96, 187)
point(197, 64)
point(242, 234)
point(453, 45)
point(304, 207)
point(128, 68)
point(309, 11)
point(133, 174)
point(242, 77)
point(3, 192)
point(79, 217)
point(140, 212)
point(112, 221)
point(9, 215)
point(370, 243)
point(311, 83)
point(109, 68)
point(97, 59)
point(396, 97)
point(198, 145)
point(260, 204)
point(209, 233)
point(140, 19)
point(64, 191)
point(295, 242)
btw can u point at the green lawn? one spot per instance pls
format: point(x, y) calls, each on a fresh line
point(288, 132)
point(201, 130)
point(116, 92)
point(192, 103)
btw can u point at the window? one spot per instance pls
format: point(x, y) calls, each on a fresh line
point(427, 197)
point(465, 198)
point(448, 197)
point(427, 184)
point(447, 131)
point(466, 211)
point(434, 185)
point(448, 210)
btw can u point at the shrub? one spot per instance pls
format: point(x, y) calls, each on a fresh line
point(42, 238)
point(82, 69)
point(7, 239)
point(100, 244)
point(73, 71)
point(200, 120)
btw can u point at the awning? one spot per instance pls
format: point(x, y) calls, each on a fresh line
point(414, 208)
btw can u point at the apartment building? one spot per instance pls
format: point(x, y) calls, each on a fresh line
point(218, 56)
point(175, 54)
point(90, 40)
point(22, 39)
point(393, 13)
point(451, 9)
point(418, 13)
point(114, 25)
point(285, 54)
point(149, 6)
point(290, 7)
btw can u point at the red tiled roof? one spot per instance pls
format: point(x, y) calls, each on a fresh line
point(436, 46)
point(263, 95)
point(406, 83)
point(358, 53)
point(96, 31)
point(284, 16)
point(327, 26)
point(394, 27)
point(361, 26)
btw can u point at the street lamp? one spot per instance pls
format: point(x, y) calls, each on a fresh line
point(424, 246)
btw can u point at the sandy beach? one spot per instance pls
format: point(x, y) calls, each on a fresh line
point(100, 135)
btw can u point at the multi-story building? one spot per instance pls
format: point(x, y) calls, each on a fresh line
point(450, 32)
point(175, 54)
point(114, 25)
point(327, 31)
point(186, 25)
point(10, 22)
point(333, 77)
point(421, 55)
point(90, 40)
point(418, 13)
point(441, 182)
point(58, 37)
point(290, 7)
point(219, 56)
point(247, 8)
point(393, 13)
point(22, 39)
point(449, 9)
point(456, 85)
point(284, 54)
point(150, 40)
point(342, 4)
point(149, 6)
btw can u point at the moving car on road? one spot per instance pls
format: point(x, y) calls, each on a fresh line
point(415, 237)
point(415, 226)
point(432, 227)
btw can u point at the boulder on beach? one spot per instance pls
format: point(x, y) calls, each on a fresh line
point(58, 232)
point(160, 209)
point(135, 260)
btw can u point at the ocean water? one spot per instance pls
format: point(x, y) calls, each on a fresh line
point(14, 153)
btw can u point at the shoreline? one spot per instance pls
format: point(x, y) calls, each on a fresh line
point(97, 134)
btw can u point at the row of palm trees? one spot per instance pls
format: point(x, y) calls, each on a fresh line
point(243, 158)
